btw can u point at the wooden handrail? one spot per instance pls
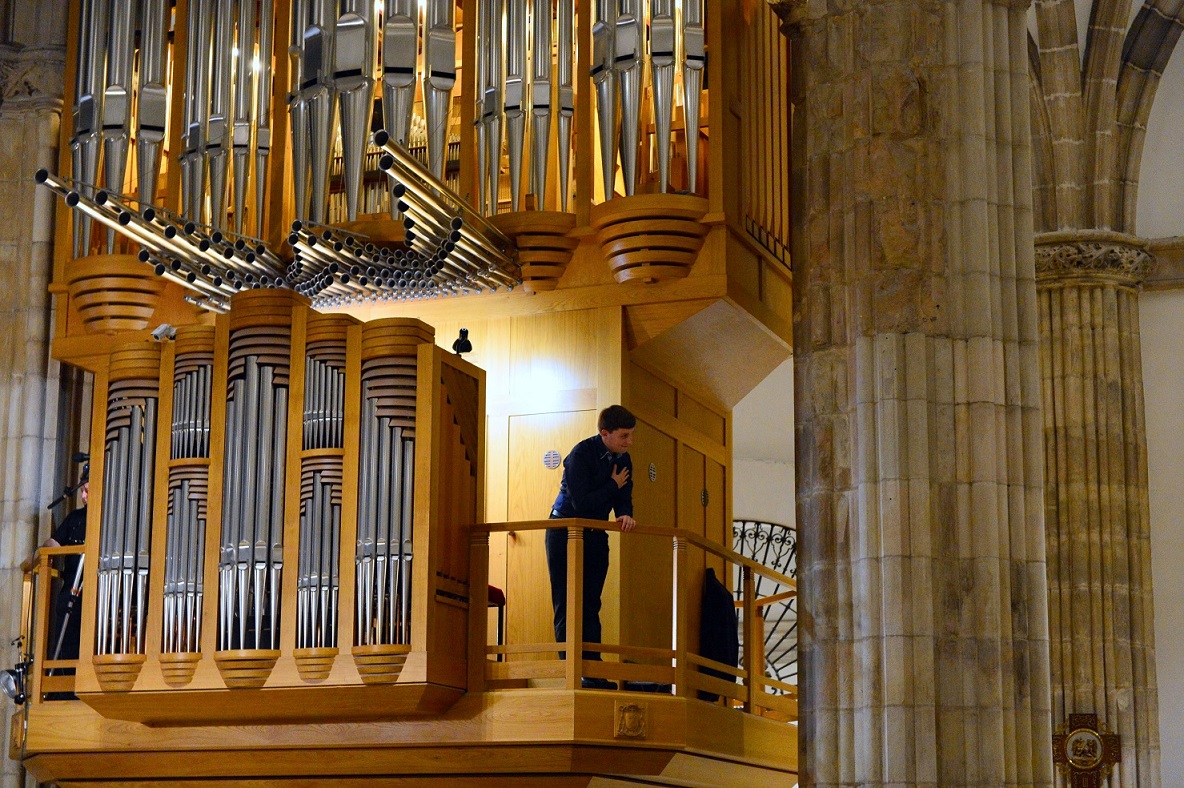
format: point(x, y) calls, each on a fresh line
point(642, 530)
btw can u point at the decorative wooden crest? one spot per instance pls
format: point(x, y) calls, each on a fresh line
point(1086, 750)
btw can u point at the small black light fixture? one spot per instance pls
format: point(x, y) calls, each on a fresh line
point(462, 343)
point(12, 683)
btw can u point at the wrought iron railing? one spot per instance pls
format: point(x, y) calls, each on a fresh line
point(775, 546)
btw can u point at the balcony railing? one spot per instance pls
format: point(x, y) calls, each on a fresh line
point(682, 665)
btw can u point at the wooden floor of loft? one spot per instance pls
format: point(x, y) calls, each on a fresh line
point(534, 737)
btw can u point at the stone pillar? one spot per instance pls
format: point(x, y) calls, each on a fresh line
point(1099, 546)
point(30, 472)
point(923, 607)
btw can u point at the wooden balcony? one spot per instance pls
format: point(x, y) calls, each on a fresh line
point(524, 719)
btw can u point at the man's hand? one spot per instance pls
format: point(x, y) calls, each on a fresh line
point(620, 476)
point(626, 522)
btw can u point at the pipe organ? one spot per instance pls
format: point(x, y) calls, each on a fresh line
point(325, 74)
point(129, 457)
point(188, 490)
point(318, 477)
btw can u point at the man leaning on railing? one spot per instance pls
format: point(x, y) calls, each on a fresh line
point(597, 480)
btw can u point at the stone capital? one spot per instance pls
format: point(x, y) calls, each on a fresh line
point(791, 13)
point(31, 78)
point(1092, 256)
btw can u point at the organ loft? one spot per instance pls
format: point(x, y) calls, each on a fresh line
point(315, 534)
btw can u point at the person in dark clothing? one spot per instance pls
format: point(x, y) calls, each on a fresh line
point(597, 480)
point(72, 531)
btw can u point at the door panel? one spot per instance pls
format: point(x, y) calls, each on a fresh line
point(531, 491)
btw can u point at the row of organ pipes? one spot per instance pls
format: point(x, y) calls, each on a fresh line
point(337, 52)
point(250, 554)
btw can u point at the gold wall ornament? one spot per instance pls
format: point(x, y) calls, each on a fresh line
point(1086, 750)
point(631, 721)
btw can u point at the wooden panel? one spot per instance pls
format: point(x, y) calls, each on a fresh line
point(718, 525)
point(646, 561)
point(707, 421)
point(656, 393)
point(691, 512)
point(554, 351)
point(532, 489)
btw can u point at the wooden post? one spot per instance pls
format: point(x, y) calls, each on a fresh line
point(478, 613)
point(752, 668)
point(682, 616)
point(575, 605)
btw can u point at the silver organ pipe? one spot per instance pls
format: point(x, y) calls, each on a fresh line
point(515, 92)
point(244, 95)
point(491, 112)
point(117, 99)
point(566, 21)
point(219, 128)
point(694, 61)
point(662, 47)
point(151, 120)
point(298, 107)
point(128, 480)
point(540, 97)
point(197, 108)
point(321, 482)
point(188, 490)
point(318, 92)
point(439, 77)
point(628, 60)
point(85, 144)
point(384, 550)
point(353, 79)
point(603, 58)
point(251, 555)
point(262, 116)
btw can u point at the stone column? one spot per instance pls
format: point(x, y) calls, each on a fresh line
point(1099, 545)
point(30, 472)
point(923, 590)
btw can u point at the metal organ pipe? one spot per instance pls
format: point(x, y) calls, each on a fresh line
point(117, 99)
point(125, 520)
point(193, 158)
point(150, 123)
point(88, 108)
point(318, 92)
point(262, 116)
point(491, 114)
point(353, 79)
point(567, 103)
point(298, 107)
point(218, 135)
point(603, 58)
point(516, 92)
point(662, 48)
point(540, 97)
point(694, 61)
point(628, 60)
point(244, 89)
point(439, 77)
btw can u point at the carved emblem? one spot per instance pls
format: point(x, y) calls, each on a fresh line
point(631, 721)
point(1086, 750)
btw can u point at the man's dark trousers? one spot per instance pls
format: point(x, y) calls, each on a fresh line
point(595, 572)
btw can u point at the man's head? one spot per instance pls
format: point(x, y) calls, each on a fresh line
point(616, 425)
point(84, 492)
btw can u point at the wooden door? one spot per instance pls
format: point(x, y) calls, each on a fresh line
point(531, 489)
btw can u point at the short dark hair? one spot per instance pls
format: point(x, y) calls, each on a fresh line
point(616, 417)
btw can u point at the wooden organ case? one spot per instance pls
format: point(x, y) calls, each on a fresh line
point(304, 496)
point(285, 503)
